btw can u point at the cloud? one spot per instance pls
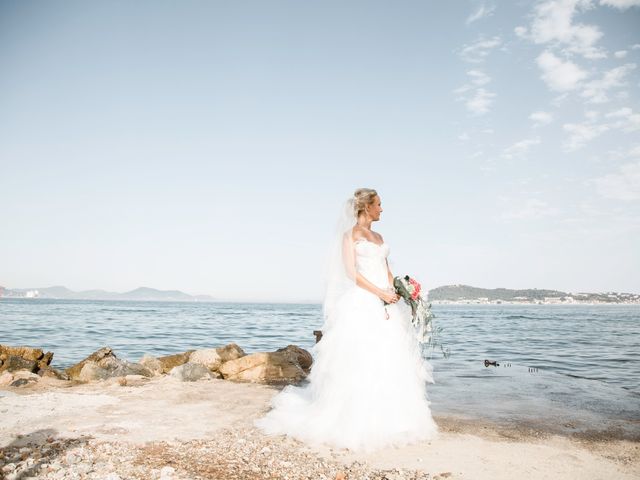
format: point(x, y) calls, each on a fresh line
point(624, 184)
point(479, 50)
point(620, 54)
point(480, 102)
point(559, 75)
point(541, 118)
point(596, 90)
point(621, 4)
point(553, 24)
point(532, 208)
point(463, 137)
point(476, 98)
point(624, 119)
point(635, 46)
point(520, 149)
point(478, 77)
point(581, 133)
point(482, 12)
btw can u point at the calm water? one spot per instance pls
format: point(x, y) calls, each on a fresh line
point(574, 367)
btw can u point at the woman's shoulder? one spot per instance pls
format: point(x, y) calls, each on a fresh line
point(359, 233)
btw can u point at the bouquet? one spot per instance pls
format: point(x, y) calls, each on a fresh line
point(421, 316)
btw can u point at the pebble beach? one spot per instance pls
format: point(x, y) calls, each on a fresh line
point(164, 428)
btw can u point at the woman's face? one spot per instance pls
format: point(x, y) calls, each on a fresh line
point(374, 209)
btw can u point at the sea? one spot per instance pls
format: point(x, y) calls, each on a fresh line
point(566, 368)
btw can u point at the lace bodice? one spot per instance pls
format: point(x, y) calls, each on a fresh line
point(371, 261)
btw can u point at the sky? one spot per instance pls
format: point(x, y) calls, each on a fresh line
point(207, 146)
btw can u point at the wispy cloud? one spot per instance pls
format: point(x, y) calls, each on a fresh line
point(621, 4)
point(479, 50)
point(476, 98)
point(581, 133)
point(483, 11)
point(620, 54)
point(480, 102)
point(559, 75)
point(541, 118)
point(553, 24)
point(624, 119)
point(520, 149)
point(478, 77)
point(623, 184)
point(595, 91)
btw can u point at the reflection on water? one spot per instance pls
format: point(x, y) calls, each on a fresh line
point(574, 365)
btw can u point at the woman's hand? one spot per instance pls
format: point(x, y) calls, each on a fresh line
point(389, 296)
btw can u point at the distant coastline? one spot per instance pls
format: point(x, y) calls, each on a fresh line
point(444, 295)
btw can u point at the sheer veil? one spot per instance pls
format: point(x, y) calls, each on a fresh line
point(340, 264)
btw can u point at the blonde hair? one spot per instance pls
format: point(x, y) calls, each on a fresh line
point(361, 198)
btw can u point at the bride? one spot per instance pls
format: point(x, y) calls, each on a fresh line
point(367, 386)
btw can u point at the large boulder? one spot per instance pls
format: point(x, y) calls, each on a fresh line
point(103, 364)
point(27, 353)
point(300, 355)
point(264, 367)
point(213, 358)
point(13, 363)
point(168, 362)
point(190, 372)
point(230, 352)
point(23, 358)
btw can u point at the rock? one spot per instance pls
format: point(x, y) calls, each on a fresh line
point(208, 358)
point(26, 374)
point(27, 353)
point(300, 355)
point(190, 372)
point(104, 364)
point(213, 358)
point(170, 361)
point(45, 361)
point(151, 363)
point(21, 382)
point(104, 353)
point(5, 379)
point(264, 367)
point(50, 372)
point(92, 371)
point(230, 352)
point(13, 363)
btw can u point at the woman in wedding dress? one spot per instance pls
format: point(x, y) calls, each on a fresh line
point(367, 386)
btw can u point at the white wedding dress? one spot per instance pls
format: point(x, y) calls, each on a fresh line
point(367, 386)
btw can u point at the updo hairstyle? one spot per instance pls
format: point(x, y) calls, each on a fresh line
point(363, 197)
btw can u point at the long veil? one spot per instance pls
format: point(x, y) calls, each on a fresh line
point(340, 264)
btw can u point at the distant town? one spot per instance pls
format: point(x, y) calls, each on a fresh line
point(466, 294)
point(448, 294)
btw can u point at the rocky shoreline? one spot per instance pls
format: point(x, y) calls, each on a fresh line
point(20, 366)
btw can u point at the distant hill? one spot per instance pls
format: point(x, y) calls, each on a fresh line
point(466, 293)
point(139, 294)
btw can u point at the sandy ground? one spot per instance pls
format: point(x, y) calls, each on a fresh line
point(166, 410)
